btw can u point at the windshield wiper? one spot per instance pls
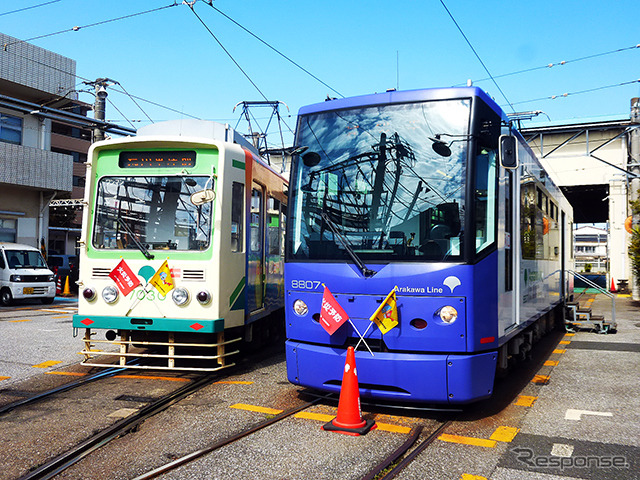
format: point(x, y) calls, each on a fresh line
point(134, 237)
point(367, 272)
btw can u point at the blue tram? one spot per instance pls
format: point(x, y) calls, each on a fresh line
point(431, 193)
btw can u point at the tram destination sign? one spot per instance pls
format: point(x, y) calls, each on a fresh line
point(161, 159)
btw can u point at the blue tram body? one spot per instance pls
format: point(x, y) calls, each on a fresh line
point(405, 191)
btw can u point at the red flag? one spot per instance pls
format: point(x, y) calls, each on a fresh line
point(331, 315)
point(125, 279)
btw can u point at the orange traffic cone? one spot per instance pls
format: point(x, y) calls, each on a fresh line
point(613, 286)
point(349, 419)
point(59, 286)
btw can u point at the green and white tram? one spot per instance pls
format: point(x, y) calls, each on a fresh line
point(181, 248)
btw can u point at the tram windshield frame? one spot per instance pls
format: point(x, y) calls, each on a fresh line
point(388, 182)
point(152, 212)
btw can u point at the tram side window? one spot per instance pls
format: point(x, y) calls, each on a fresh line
point(528, 219)
point(273, 226)
point(283, 229)
point(485, 198)
point(256, 221)
point(237, 217)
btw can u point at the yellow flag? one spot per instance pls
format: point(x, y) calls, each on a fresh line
point(162, 279)
point(386, 316)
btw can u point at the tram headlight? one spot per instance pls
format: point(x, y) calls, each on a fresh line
point(180, 296)
point(300, 308)
point(89, 294)
point(110, 294)
point(204, 297)
point(448, 314)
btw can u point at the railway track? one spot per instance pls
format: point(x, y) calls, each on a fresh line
point(387, 468)
point(63, 388)
point(61, 462)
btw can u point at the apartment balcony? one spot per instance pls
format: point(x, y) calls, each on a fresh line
point(35, 168)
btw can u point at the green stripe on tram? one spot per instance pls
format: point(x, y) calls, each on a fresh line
point(238, 164)
point(237, 294)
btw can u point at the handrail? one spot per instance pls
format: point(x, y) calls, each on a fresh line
point(601, 290)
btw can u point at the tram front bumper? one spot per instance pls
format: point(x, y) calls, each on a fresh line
point(403, 377)
point(148, 324)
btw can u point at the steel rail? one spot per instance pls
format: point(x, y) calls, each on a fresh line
point(58, 464)
point(414, 453)
point(63, 388)
point(395, 455)
point(199, 453)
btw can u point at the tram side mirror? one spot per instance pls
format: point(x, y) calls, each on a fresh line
point(202, 197)
point(508, 151)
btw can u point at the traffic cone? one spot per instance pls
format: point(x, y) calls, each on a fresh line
point(59, 286)
point(67, 290)
point(613, 286)
point(349, 420)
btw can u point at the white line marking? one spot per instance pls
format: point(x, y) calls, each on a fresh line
point(577, 414)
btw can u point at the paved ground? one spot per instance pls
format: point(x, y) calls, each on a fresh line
point(583, 418)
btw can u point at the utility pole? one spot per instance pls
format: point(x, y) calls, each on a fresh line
point(99, 107)
point(634, 167)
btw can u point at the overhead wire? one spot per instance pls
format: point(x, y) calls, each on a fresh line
point(120, 112)
point(561, 63)
point(134, 101)
point(190, 5)
point(89, 80)
point(29, 8)
point(564, 95)
point(274, 49)
point(77, 28)
point(476, 54)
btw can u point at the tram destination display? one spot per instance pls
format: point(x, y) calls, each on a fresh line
point(160, 159)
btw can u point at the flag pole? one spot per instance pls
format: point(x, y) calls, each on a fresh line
point(362, 337)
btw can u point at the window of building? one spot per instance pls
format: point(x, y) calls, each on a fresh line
point(8, 229)
point(10, 129)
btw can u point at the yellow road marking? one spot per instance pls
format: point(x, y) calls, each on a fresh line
point(4, 378)
point(70, 374)
point(559, 351)
point(477, 442)
point(61, 316)
point(467, 476)
point(235, 382)
point(387, 427)
point(47, 364)
point(541, 379)
point(504, 434)
point(565, 342)
point(551, 363)
point(144, 377)
point(323, 417)
point(569, 334)
point(18, 321)
point(255, 408)
point(525, 401)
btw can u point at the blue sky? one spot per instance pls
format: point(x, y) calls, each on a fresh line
point(356, 47)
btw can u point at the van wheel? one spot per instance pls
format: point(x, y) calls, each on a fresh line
point(6, 299)
point(48, 300)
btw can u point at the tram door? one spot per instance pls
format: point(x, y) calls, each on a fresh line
point(509, 276)
point(255, 273)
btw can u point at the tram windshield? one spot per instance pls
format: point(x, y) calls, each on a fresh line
point(153, 213)
point(386, 182)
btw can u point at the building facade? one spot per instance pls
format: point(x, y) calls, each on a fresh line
point(41, 154)
point(593, 165)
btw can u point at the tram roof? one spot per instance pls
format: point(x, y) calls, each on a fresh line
point(402, 96)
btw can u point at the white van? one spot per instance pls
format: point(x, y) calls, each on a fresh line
point(24, 274)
